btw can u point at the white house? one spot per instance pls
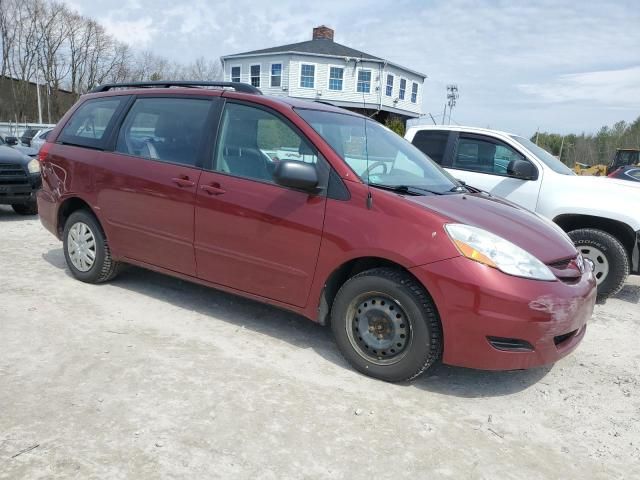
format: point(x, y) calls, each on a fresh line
point(321, 69)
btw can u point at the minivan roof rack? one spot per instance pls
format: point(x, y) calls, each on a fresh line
point(237, 86)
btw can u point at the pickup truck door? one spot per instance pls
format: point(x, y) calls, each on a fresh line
point(482, 162)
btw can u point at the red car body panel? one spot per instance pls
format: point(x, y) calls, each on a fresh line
point(281, 246)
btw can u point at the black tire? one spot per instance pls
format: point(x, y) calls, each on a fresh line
point(614, 253)
point(424, 346)
point(29, 208)
point(104, 267)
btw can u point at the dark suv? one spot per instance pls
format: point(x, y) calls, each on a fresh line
point(19, 180)
point(316, 210)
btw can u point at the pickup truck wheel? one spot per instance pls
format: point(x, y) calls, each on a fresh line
point(386, 325)
point(86, 249)
point(610, 259)
point(29, 208)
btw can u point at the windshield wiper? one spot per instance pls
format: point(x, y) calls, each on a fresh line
point(408, 189)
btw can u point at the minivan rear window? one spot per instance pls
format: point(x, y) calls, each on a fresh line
point(91, 122)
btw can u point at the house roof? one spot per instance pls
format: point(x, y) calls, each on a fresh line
point(320, 46)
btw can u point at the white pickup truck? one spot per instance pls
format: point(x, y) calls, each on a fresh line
point(600, 214)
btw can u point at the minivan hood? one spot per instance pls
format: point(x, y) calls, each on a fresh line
point(517, 225)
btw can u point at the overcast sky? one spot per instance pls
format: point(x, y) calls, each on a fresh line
point(565, 66)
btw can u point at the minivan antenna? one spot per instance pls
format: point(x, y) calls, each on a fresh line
point(366, 141)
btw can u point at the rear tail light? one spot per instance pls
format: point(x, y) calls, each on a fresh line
point(44, 151)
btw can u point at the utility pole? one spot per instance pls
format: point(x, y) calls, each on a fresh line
point(537, 131)
point(39, 101)
point(561, 145)
point(452, 97)
point(444, 113)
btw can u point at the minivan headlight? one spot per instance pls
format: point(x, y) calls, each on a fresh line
point(33, 166)
point(489, 249)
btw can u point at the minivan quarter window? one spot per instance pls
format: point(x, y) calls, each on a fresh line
point(90, 123)
point(165, 129)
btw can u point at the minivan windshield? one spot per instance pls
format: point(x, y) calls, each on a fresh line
point(379, 156)
point(552, 162)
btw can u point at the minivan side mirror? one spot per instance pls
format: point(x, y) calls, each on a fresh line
point(11, 140)
point(522, 169)
point(299, 175)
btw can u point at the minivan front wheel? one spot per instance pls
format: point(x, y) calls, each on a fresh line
point(608, 255)
point(86, 249)
point(386, 325)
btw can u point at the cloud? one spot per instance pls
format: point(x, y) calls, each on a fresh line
point(613, 88)
point(137, 33)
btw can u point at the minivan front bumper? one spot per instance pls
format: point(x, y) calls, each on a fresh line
point(494, 321)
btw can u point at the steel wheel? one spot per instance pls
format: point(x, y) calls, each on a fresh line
point(599, 260)
point(378, 328)
point(82, 246)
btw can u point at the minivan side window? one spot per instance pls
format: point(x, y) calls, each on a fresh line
point(252, 141)
point(484, 156)
point(90, 123)
point(164, 129)
point(433, 143)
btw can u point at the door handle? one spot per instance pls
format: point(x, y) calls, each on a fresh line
point(183, 182)
point(213, 189)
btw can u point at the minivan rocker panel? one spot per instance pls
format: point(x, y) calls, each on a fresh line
point(406, 265)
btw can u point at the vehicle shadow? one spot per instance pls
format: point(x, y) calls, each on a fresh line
point(8, 215)
point(300, 332)
point(629, 293)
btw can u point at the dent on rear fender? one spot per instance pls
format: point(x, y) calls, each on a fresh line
point(560, 309)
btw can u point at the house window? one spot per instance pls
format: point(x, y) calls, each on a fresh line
point(389, 91)
point(307, 75)
point(335, 78)
point(235, 74)
point(255, 75)
point(414, 92)
point(364, 81)
point(276, 74)
point(403, 88)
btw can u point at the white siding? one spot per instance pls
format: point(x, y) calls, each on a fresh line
point(291, 65)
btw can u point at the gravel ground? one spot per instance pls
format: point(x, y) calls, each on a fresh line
point(153, 377)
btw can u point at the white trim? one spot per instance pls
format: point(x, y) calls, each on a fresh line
point(417, 91)
point(231, 67)
point(364, 69)
point(329, 67)
point(271, 85)
point(393, 83)
point(259, 65)
point(400, 87)
point(315, 76)
point(309, 54)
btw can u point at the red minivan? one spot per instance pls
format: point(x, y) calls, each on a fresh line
point(317, 210)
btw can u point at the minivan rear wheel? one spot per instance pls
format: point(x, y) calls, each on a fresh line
point(609, 257)
point(86, 249)
point(386, 325)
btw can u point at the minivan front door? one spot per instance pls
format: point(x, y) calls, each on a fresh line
point(483, 162)
point(252, 234)
point(147, 188)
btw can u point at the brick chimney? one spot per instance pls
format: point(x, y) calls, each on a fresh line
point(322, 32)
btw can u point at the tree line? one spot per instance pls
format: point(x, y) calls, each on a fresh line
point(591, 149)
point(52, 45)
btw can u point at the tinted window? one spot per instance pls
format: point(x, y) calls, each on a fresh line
point(432, 143)
point(633, 173)
point(252, 141)
point(90, 123)
point(484, 156)
point(166, 129)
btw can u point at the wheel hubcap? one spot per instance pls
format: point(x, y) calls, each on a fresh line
point(378, 328)
point(599, 260)
point(81, 246)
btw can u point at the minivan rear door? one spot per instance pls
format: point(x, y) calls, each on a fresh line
point(147, 185)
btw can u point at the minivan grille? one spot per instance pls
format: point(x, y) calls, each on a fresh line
point(12, 174)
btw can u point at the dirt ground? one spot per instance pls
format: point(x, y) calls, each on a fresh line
point(152, 377)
